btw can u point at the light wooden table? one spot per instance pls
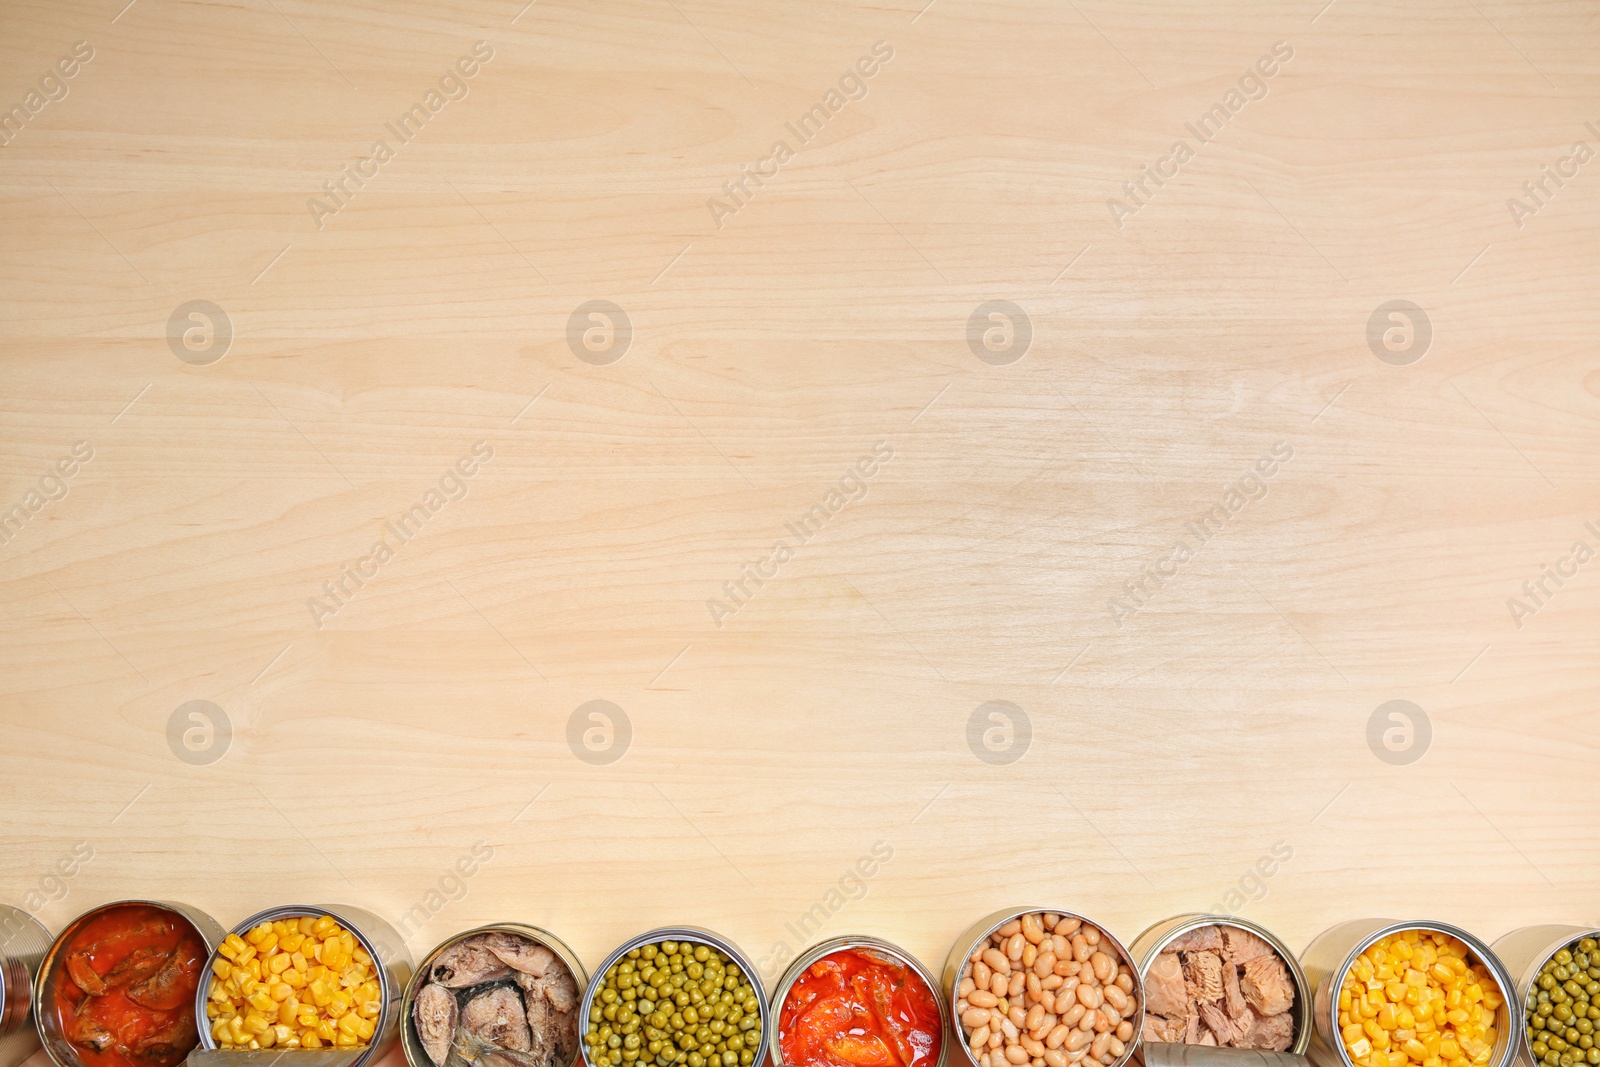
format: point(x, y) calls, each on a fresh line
point(776, 340)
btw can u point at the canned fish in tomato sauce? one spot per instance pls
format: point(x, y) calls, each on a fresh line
point(115, 988)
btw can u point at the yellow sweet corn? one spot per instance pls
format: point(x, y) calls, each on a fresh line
point(300, 983)
point(1416, 999)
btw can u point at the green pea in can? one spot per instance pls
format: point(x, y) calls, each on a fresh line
point(684, 935)
point(1525, 952)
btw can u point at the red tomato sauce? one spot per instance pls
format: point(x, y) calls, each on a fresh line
point(123, 988)
point(859, 1009)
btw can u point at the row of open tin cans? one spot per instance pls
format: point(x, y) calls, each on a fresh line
point(32, 962)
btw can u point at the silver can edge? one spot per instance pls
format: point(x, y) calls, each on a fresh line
point(26, 942)
point(860, 941)
point(699, 935)
point(56, 1047)
point(375, 934)
point(1157, 936)
point(411, 1047)
point(1329, 956)
point(979, 932)
point(1525, 951)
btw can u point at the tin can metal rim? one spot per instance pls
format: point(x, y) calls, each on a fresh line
point(694, 934)
point(1509, 1046)
point(26, 944)
point(1304, 1007)
point(43, 981)
point(412, 1049)
point(386, 987)
point(1521, 996)
point(979, 932)
point(870, 944)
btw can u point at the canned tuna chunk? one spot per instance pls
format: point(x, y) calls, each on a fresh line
point(1222, 981)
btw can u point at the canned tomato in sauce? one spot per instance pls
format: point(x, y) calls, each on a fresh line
point(683, 1034)
point(139, 956)
point(390, 963)
point(1015, 951)
point(1174, 935)
point(517, 981)
point(1525, 952)
point(1331, 955)
point(925, 1033)
point(23, 943)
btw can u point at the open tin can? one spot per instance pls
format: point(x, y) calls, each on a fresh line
point(871, 946)
point(1160, 936)
point(411, 1042)
point(697, 935)
point(1333, 952)
point(1524, 952)
point(52, 970)
point(975, 938)
point(391, 962)
point(23, 944)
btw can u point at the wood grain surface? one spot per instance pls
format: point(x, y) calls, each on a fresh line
point(1171, 344)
